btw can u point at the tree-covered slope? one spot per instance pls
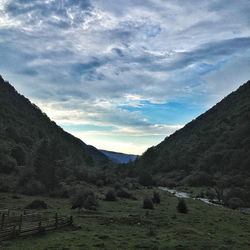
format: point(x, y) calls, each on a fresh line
point(34, 148)
point(216, 145)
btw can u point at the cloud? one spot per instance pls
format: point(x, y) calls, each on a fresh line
point(95, 62)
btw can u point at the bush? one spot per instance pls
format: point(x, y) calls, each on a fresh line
point(37, 204)
point(148, 204)
point(145, 179)
point(19, 154)
point(110, 196)
point(84, 199)
point(61, 192)
point(34, 187)
point(12, 133)
point(117, 186)
point(182, 207)
point(4, 185)
point(124, 194)
point(91, 203)
point(210, 194)
point(237, 192)
point(27, 141)
point(235, 202)
point(200, 179)
point(100, 183)
point(156, 198)
point(7, 164)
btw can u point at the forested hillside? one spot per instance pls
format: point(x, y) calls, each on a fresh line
point(36, 155)
point(214, 148)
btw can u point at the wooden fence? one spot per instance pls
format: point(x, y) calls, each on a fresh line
point(31, 223)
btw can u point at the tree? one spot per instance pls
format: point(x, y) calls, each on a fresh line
point(110, 195)
point(182, 207)
point(156, 198)
point(148, 204)
point(19, 154)
point(45, 165)
point(145, 179)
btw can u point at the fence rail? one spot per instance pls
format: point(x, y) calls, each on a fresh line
point(25, 224)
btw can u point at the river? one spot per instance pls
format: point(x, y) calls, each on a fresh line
point(186, 195)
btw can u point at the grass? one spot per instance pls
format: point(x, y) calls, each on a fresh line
point(123, 224)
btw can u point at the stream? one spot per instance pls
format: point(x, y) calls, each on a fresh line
point(186, 195)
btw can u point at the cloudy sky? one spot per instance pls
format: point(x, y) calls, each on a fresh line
point(123, 74)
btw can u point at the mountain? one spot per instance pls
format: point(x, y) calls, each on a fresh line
point(215, 147)
point(36, 150)
point(119, 158)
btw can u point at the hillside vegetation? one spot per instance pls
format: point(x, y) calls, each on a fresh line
point(212, 150)
point(36, 155)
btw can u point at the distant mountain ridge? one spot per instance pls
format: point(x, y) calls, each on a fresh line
point(119, 158)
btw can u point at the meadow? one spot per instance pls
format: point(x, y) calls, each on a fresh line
point(124, 224)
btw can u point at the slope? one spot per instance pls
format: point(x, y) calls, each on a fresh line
point(213, 147)
point(34, 148)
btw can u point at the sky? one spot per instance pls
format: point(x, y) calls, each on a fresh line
point(124, 74)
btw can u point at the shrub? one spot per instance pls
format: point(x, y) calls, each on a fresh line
point(156, 198)
point(91, 203)
point(100, 183)
point(61, 192)
point(19, 154)
point(117, 186)
point(124, 194)
point(37, 204)
point(4, 185)
point(235, 202)
point(27, 141)
point(148, 204)
point(237, 192)
point(110, 195)
point(34, 187)
point(12, 133)
point(182, 207)
point(84, 199)
point(200, 179)
point(7, 164)
point(145, 179)
point(210, 194)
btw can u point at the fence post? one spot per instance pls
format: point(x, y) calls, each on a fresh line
point(2, 221)
point(40, 226)
point(71, 220)
point(56, 220)
point(20, 224)
point(13, 234)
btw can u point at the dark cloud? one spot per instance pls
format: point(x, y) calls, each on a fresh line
point(210, 52)
point(122, 53)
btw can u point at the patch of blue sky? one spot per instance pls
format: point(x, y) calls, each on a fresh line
point(86, 127)
point(171, 113)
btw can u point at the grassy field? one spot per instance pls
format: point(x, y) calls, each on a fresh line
point(123, 224)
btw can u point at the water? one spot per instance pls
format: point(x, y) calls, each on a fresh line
point(185, 195)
